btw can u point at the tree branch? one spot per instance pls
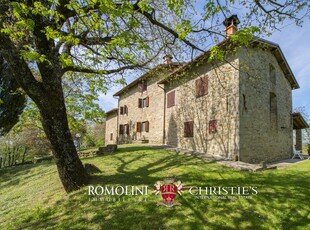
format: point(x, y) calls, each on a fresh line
point(151, 18)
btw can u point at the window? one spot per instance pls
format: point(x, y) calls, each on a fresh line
point(201, 86)
point(142, 103)
point(171, 99)
point(143, 126)
point(213, 126)
point(272, 74)
point(124, 110)
point(121, 129)
point(111, 136)
point(124, 129)
point(189, 129)
point(138, 127)
point(142, 86)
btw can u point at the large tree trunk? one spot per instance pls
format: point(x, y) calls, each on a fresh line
point(48, 96)
point(54, 119)
point(55, 123)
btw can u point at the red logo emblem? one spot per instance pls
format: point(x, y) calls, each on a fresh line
point(169, 190)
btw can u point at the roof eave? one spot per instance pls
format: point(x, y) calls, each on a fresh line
point(112, 111)
point(300, 120)
point(131, 84)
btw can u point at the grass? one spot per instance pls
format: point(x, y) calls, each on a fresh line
point(32, 197)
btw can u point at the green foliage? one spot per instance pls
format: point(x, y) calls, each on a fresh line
point(244, 36)
point(216, 53)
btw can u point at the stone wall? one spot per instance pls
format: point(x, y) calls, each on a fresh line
point(251, 107)
point(111, 128)
point(221, 103)
point(154, 113)
point(265, 108)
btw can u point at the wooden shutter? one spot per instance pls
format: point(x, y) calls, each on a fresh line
point(138, 127)
point(147, 101)
point(171, 99)
point(125, 109)
point(121, 129)
point(139, 103)
point(122, 110)
point(147, 126)
point(185, 129)
point(198, 87)
point(189, 129)
point(201, 86)
point(127, 129)
point(213, 126)
point(205, 85)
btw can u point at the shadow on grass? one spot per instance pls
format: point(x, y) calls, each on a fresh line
point(281, 203)
point(11, 176)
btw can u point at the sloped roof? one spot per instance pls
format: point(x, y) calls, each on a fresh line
point(111, 111)
point(277, 52)
point(144, 76)
point(274, 48)
point(299, 122)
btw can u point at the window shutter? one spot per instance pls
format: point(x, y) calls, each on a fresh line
point(121, 129)
point(189, 129)
point(122, 110)
point(127, 129)
point(171, 99)
point(185, 129)
point(139, 103)
point(146, 126)
point(126, 110)
point(138, 127)
point(198, 87)
point(205, 85)
point(213, 126)
point(201, 86)
point(147, 101)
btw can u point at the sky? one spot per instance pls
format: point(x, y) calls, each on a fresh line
point(294, 42)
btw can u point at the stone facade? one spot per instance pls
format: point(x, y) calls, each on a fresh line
point(111, 127)
point(218, 105)
point(239, 109)
point(151, 113)
point(265, 108)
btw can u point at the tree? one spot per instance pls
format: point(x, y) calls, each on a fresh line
point(102, 38)
point(12, 100)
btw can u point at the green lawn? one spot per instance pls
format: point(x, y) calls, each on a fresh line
point(31, 196)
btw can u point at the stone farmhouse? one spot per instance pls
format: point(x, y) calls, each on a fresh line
point(240, 108)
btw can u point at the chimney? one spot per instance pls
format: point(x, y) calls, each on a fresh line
point(231, 25)
point(168, 59)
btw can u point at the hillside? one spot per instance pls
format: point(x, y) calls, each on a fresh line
point(31, 196)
